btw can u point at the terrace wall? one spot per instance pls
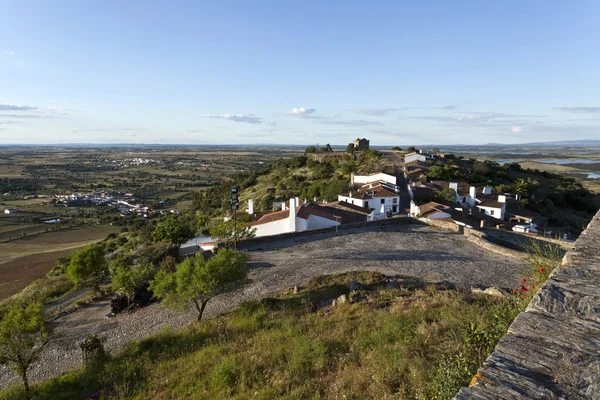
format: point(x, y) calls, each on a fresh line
point(552, 350)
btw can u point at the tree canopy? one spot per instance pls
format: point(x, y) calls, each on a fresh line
point(23, 334)
point(87, 266)
point(446, 195)
point(127, 277)
point(224, 231)
point(174, 229)
point(195, 281)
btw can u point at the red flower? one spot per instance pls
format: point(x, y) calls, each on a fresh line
point(515, 291)
point(541, 270)
point(524, 289)
point(524, 281)
point(532, 287)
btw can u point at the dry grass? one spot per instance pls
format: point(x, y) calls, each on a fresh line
point(376, 347)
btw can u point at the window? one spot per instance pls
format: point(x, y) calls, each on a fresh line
point(491, 212)
point(366, 204)
point(395, 201)
point(382, 201)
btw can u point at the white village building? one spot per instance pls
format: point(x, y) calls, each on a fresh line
point(364, 179)
point(296, 218)
point(381, 196)
point(431, 210)
point(482, 198)
point(410, 157)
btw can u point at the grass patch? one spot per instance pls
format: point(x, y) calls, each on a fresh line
point(391, 343)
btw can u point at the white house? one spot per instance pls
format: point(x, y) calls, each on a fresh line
point(493, 207)
point(363, 179)
point(295, 219)
point(431, 210)
point(410, 157)
point(378, 195)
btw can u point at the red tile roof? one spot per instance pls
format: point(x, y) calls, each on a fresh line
point(353, 207)
point(272, 217)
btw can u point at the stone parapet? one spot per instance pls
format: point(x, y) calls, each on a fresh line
point(552, 350)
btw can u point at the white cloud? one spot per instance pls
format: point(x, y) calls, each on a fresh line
point(9, 53)
point(248, 118)
point(376, 112)
point(16, 107)
point(579, 109)
point(448, 107)
point(301, 111)
point(516, 129)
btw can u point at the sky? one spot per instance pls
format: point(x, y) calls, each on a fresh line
point(290, 72)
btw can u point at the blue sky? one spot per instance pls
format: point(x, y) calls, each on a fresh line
point(299, 72)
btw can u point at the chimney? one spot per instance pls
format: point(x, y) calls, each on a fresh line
point(473, 192)
point(297, 201)
point(350, 194)
point(292, 216)
point(502, 198)
point(487, 190)
point(315, 199)
point(283, 206)
point(251, 206)
point(454, 185)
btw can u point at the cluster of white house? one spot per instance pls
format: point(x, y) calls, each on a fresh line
point(480, 203)
point(373, 197)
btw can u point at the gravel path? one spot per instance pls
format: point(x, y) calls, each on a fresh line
point(418, 251)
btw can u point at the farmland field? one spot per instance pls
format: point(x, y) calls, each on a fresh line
point(27, 259)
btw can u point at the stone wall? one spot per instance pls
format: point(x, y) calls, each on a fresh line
point(341, 228)
point(552, 350)
point(447, 225)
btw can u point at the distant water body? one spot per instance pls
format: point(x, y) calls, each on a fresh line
point(558, 162)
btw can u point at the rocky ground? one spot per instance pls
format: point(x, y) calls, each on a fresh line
point(396, 251)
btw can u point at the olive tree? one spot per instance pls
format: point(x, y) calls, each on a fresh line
point(23, 335)
point(174, 229)
point(87, 266)
point(195, 280)
point(229, 231)
point(127, 277)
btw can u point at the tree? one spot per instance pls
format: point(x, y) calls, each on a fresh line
point(87, 266)
point(436, 151)
point(195, 281)
point(128, 277)
point(436, 172)
point(310, 149)
point(174, 229)
point(350, 148)
point(481, 168)
point(526, 187)
point(411, 149)
point(328, 148)
point(23, 335)
point(396, 148)
point(446, 195)
point(224, 231)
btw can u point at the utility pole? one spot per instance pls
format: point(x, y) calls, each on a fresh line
point(234, 207)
